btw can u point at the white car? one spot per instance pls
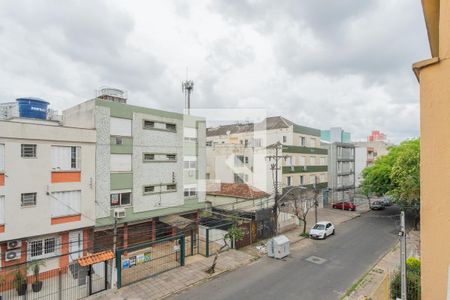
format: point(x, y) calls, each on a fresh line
point(321, 230)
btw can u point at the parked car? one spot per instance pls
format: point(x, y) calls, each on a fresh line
point(387, 201)
point(321, 230)
point(345, 205)
point(377, 205)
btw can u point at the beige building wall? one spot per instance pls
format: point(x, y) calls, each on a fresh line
point(434, 77)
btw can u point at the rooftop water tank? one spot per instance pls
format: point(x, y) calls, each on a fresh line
point(34, 108)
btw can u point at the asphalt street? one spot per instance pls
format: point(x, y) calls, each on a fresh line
point(341, 260)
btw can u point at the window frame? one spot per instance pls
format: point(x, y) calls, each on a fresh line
point(22, 150)
point(120, 204)
point(45, 247)
point(22, 195)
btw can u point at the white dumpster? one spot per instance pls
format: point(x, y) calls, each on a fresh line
point(280, 246)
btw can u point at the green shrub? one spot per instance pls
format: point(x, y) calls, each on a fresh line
point(412, 281)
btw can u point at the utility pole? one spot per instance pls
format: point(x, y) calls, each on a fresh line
point(402, 235)
point(315, 198)
point(275, 167)
point(114, 268)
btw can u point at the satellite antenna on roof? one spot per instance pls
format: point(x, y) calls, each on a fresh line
point(187, 87)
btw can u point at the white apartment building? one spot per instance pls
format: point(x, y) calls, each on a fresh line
point(149, 164)
point(239, 153)
point(47, 192)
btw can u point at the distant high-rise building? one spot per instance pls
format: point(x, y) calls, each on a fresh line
point(335, 134)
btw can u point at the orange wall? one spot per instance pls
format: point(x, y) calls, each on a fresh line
point(66, 219)
point(58, 177)
point(435, 175)
point(2, 179)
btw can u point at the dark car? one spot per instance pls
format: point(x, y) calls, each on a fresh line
point(344, 205)
point(377, 205)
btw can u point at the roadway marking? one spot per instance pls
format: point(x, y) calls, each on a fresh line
point(316, 260)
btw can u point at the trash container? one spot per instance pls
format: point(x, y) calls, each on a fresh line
point(280, 246)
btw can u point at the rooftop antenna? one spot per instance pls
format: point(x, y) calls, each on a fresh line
point(187, 87)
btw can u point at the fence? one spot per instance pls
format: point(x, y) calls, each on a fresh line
point(144, 260)
point(68, 283)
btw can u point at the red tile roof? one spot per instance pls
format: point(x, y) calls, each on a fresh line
point(236, 190)
point(96, 258)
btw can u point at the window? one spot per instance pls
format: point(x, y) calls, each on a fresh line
point(312, 179)
point(190, 134)
point(149, 189)
point(322, 161)
point(120, 199)
point(28, 199)
point(2, 157)
point(171, 187)
point(312, 161)
point(120, 127)
point(302, 141)
point(2, 209)
point(246, 159)
point(171, 157)
point(171, 127)
point(289, 181)
point(67, 203)
point(246, 143)
point(238, 178)
point(302, 181)
point(190, 191)
point(258, 142)
point(208, 143)
point(284, 139)
point(322, 178)
point(28, 150)
point(149, 156)
point(42, 248)
point(120, 162)
point(149, 124)
point(65, 157)
point(312, 142)
point(118, 140)
point(190, 162)
point(238, 160)
point(302, 161)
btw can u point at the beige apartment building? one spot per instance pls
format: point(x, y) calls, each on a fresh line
point(434, 78)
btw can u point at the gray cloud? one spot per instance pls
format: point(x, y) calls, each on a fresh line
point(319, 63)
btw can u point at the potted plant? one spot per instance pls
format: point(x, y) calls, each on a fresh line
point(35, 267)
point(20, 283)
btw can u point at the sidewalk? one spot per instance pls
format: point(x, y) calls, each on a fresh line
point(178, 279)
point(336, 216)
point(378, 277)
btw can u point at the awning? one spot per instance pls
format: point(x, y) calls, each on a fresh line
point(176, 221)
point(96, 258)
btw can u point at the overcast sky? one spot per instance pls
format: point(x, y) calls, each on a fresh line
point(319, 63)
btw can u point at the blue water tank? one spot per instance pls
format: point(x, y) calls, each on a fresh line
point(34, 108)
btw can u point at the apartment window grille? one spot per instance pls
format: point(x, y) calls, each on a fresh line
point(28, 150)
point(28, 199)
point(171, 187)
point(149, 124)
point(149, 189)
point(149, 156)
point(171, 157)
point(171, 127)
point(190, 192)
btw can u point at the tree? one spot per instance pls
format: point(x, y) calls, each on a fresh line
point(412, 280)
point(300, 203)
point(396, 174)
point(234, 234)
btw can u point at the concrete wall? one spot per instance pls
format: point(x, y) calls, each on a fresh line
point(435, 164)
point(33, 175)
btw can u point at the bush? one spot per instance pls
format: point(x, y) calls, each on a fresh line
point(412, 281)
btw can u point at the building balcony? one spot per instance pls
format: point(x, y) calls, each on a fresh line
point(304, 169)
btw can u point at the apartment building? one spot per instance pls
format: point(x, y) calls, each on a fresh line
point(150, 164)
point(366, 152)
point(341, 164)
point(47, 188)
point(434, 77)
point(239, 153)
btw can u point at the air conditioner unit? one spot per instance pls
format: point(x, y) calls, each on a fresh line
point(13, 254)
point(119, 213)
point(14, 244)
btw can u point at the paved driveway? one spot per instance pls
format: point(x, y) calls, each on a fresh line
point(318, 270)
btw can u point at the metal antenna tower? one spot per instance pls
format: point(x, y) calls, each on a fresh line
point(187, 87)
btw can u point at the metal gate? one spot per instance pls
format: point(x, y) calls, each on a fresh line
point(191, 243)
point(98, 276)
point(144, 260)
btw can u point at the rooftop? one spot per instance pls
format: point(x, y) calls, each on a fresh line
point(237, 190)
